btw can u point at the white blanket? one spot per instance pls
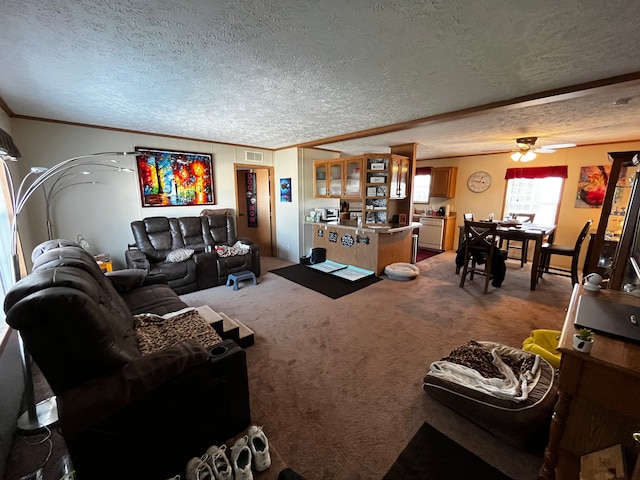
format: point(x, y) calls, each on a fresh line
point(512, 387)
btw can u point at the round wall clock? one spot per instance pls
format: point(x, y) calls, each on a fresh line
point(479, 181)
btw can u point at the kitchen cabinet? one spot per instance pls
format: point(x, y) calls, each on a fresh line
point(338, 178)
point(383, 185)
point(399, 175)
point(604, 242)
point(443, 181)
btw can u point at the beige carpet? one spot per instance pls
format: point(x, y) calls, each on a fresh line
point(337, 384)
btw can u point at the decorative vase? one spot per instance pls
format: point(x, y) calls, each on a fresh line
point(582, 345)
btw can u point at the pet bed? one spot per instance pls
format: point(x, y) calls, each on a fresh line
point(520, 413)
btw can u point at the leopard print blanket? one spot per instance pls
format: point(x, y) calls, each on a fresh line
point(237, 248)
point(477, 356)
point(155, 332)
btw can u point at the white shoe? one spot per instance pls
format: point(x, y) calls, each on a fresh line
point(199, 469)
point(219, 462)
point(259, 446)
point(241, 459)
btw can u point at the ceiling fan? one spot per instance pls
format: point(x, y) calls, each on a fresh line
point(527, 150)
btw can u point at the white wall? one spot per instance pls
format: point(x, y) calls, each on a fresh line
point(103, 213)
point(287, 216)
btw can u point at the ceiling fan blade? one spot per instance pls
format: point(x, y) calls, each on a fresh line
point(558, 146)
point(544, 150)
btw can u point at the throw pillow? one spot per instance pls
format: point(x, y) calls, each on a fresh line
point(179, 255)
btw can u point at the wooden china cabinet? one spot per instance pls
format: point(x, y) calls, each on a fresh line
point(604, 243)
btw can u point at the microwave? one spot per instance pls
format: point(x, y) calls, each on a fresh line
point(327, 214)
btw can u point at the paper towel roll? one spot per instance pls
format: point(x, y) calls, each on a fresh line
point(447, 210)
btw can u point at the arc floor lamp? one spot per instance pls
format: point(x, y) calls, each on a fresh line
point(44, 413)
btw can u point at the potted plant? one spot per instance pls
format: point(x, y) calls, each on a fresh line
point(583, 341)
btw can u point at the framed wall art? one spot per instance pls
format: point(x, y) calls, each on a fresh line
point(169, 178)
point(592, 186)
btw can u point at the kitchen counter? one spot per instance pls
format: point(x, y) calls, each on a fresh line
point(371, 248)
point(392, 228)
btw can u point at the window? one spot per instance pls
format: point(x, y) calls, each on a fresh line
point(535, 190)
point(6, 275)
point(422, 184)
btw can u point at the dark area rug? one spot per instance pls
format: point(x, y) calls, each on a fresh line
point(423, 254)
point(324, 283)
point(430, 455)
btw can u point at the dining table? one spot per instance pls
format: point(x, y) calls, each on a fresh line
point(525, 232)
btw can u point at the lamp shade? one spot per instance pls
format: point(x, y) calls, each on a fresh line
point(7, 147)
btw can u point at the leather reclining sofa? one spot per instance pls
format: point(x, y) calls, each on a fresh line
point(123, 414)
point(156, 237)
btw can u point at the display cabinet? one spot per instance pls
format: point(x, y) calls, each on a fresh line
point(399, 175)
point(604, 243)
point(385, 183)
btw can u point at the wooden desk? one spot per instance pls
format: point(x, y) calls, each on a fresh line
point(537, 233)
point(598, 402)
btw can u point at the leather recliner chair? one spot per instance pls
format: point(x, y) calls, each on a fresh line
point(156, 237)
point(122, 413)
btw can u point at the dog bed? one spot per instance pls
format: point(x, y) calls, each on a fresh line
point(401, 271)
point(523, 421)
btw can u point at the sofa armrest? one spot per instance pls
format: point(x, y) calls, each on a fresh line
point(246, 240)
point(137, 259)
point(103, 396)
point(206, 269)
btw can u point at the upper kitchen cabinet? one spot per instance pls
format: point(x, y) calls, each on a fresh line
point(339, 178)
point(399, 175)
point(352, 177)
point(443, 181)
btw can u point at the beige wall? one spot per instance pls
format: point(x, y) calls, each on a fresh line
point(570, 219)
point(103, 213)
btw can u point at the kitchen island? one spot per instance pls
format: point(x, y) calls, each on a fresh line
point(371, 248)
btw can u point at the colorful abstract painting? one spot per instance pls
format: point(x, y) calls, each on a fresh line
point(169, 179)
point(592, 186)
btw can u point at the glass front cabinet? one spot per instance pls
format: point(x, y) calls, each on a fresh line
point(339, 178)
point(603, 246)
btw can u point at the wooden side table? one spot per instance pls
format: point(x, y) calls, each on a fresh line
point(598, 394)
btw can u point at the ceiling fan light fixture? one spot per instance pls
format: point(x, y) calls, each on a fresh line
point(523, 156)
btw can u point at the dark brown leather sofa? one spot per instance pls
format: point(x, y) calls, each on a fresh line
point(122, 414)
point(156, 237)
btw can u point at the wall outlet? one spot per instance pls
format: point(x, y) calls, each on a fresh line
point(286, 247)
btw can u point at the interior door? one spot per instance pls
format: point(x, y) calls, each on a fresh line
point(263, 233)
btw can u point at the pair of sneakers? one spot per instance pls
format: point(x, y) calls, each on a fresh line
point(213, 465)
point(252, 448)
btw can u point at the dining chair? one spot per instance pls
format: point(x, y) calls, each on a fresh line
point(521, 246)
point(479, 248)
point(549, 249)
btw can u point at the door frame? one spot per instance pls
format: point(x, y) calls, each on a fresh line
point(272, 204)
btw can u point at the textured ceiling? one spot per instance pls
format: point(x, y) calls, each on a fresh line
point(278, 73)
